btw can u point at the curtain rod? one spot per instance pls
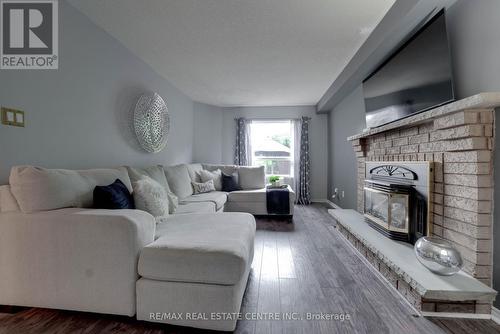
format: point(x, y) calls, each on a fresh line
point(271, 119)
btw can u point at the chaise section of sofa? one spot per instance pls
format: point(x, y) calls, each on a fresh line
point(218, 198)
point(198, 264)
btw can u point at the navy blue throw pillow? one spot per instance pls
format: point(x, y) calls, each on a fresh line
point(113, 196)
point(230, 182)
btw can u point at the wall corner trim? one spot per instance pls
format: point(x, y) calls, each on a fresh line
point(495, 314)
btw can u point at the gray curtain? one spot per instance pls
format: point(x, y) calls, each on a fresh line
point(302, 184)
point(242, 149)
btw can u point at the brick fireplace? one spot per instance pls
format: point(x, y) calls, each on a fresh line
point(460, 145)
point(458, 139)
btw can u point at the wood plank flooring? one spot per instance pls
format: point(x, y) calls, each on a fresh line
point(299, 268)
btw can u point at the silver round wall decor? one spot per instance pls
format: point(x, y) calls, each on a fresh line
point(151, 122)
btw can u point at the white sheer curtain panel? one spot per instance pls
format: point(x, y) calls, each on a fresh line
point(297, 132)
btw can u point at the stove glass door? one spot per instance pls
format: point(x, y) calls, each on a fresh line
point(399, 212)
point(377, 206)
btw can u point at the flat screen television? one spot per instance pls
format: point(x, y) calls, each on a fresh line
point(415, 78)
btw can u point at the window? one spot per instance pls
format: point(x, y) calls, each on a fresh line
point(272, 146)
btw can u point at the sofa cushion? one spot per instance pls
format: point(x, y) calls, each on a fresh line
point(252, 201)
point(113, 196)
point(196, 207)
point(200, 248)
point(179, 180)
point(252, 177)
point(219, 198)
point(41, 189)
point(158, 174)
point(155, 172)
point(254, 195)
point(7, 201)
point(193, 170)
point(215, 175)
point(226, 169)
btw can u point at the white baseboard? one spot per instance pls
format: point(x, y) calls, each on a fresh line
point(495, 314)
point(333, 205)
point(318, 200)
point(457, 315)
point(326, 201)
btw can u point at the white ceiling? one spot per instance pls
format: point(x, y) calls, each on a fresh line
point(242, 53)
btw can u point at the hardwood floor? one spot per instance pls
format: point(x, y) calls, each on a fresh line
point(299, 268)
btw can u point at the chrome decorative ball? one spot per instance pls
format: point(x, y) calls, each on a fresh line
point(151, 122)
point(438, 255)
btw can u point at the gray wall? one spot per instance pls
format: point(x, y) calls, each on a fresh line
point(78, 116)
point(473, 28)
point(207, 140)
point(475, 44)
point(347, 118)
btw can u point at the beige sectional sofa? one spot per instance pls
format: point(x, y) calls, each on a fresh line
point(58, 252)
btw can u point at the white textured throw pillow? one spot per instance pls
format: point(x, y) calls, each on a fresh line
point(205, 187)
point(150, 196)
point(216, 176)
point(158, 174)
point(173, 202)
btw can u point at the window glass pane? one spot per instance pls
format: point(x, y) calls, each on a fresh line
point(272, 146)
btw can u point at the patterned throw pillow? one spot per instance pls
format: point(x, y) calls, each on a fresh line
point(150, 196)
point(205, 187)
point(216, 175)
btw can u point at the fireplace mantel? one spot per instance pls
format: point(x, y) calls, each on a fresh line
point(478, 101)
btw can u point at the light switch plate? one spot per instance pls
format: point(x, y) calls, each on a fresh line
point(12, 117)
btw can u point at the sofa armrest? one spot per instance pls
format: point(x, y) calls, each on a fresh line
point(77, 259)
